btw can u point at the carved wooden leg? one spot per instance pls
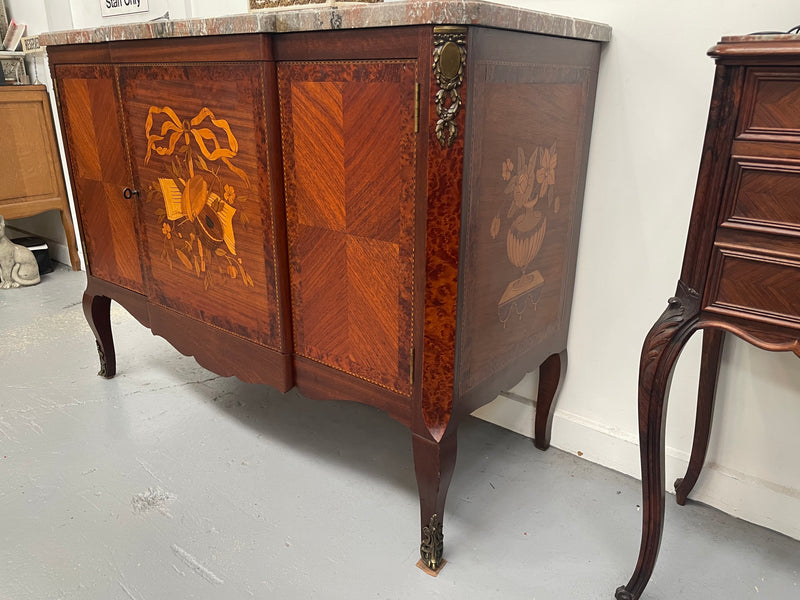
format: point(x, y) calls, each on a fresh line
point(661, 349)
point(434, 464)
point(551, 375)
point(713, 340)
point(98, 313)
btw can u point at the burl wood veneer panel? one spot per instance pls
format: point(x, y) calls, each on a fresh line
point(198, 138)
point(349, 154)
point(530, 124)
point(100, 171)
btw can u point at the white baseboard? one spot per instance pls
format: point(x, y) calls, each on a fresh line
point(59, 252)
point(739, 494)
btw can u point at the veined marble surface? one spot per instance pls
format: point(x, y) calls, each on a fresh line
point(344, 16)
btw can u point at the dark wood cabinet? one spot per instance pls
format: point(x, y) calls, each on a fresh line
point(388, 216)
point(741, 268)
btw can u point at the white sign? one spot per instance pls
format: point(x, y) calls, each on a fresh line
point(112, 8)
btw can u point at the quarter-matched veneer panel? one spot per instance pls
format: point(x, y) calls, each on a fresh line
point(100, 172)
point(349, 162)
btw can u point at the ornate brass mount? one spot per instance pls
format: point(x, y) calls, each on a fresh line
point(449, 62)
point(103, 372)
point(431, 549)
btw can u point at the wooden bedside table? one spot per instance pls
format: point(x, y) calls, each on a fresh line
point(741, 267)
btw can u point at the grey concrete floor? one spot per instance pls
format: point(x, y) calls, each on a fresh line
point(169, 482)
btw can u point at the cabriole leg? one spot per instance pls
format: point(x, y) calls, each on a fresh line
point(434, 464)
point(661, 349)
point(551, 376)
point(98, 313)
point(713, 341)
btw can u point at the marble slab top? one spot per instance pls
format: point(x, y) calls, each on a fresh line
point(344, 16)
point(760, 37)
point(756, 45)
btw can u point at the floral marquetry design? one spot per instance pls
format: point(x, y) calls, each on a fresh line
point(531, 190)
point(199, 194)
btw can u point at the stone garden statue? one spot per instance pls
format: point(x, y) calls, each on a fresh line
point(18, 265)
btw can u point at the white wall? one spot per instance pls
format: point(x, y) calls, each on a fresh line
point(652, 103)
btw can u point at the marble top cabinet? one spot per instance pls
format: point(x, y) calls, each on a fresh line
point(378, 203)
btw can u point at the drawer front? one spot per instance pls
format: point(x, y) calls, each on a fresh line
point(763, 194)
point(750, 285)
point(771, 104)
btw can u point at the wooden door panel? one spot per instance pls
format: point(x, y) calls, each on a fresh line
point(197, 135)
point(100, 172)
point(349, 156)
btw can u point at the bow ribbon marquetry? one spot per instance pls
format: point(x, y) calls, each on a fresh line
point(173, 129)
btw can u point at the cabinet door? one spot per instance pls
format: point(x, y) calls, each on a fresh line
point(350, 162)
point(197, 136)
point(100, 171)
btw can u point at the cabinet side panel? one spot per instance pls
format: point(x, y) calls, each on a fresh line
point(100, 172)
point(349, 162)
point(197, 136)
point(530, 121)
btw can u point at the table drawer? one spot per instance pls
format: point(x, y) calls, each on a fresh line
point(763, 194)
point(770, 104)
point(757, 286)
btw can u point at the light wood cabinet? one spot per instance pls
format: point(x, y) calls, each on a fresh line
point(31, 179)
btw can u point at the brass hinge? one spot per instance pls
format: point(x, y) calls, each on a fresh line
point(416, 109)
point(411, 367)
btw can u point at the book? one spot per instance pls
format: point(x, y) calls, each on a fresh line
point(14, 35)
